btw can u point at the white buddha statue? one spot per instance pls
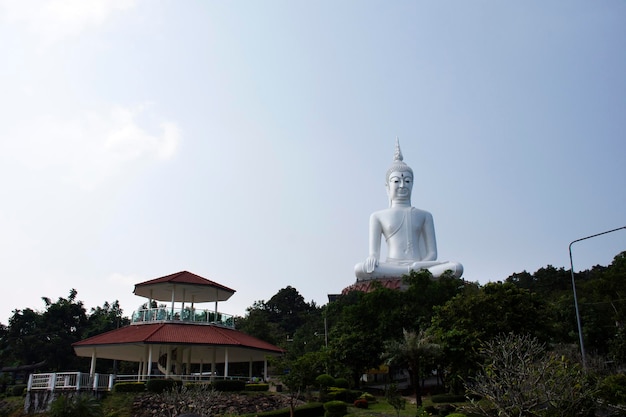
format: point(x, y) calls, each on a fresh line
point(408, 231)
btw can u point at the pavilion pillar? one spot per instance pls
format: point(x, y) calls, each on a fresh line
point(250, 370)
point(92, 368)
point(149, 361)
point(213, 360)
point(225, 362)
point(173, 300)
point(168, 362)
point(265, 369)
point(188, 366)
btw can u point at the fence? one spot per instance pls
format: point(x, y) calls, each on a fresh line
point(77, 381)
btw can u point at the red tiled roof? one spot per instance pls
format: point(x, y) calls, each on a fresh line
point(185, 277)
point(178, 333)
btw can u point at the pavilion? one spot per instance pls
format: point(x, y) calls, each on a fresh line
point(180, 338)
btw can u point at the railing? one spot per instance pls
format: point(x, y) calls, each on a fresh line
point(70, 381)
point(187, 315)
point(194, 377)
point(80, 381)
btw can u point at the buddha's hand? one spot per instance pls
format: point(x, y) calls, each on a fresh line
point(370, 264)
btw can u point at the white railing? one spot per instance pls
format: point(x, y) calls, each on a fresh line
point(55, 381)
point(188, 315)
point(194, 377)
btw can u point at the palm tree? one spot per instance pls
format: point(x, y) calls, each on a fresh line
point(411, 352)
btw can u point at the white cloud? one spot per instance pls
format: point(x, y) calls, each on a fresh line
point(92, 148)
point(55, 20)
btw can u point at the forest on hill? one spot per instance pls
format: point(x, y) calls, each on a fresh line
point(348, 336)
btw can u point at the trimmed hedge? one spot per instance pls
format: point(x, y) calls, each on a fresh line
point(257, 387)
point(448, 398)
point(335, 409)
point(307, 410)
point(129, 387)
point(325, 381)
point(343, 394)
point(342, 383)
point(160, 385)
point(16, 390)
point(228, 385)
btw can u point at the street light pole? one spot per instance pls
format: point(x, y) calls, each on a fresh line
point(580, 330)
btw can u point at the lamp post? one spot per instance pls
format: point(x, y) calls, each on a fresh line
point(580, 330)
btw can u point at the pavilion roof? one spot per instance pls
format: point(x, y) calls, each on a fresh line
point(178, 333)
point(127, 343)
point(183, 286)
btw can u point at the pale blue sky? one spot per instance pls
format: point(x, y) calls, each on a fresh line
point(247, 142)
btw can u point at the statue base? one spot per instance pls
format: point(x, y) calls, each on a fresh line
point(368, 285)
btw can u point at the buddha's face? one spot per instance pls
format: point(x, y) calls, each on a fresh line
point(399, 186)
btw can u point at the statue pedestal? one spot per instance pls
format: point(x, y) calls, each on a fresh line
point(368, 286)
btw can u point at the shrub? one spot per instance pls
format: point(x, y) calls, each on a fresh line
point(368, 397)
point(257, 387)
point(227, 385)
point(129, 387)
point(325, 381)
point(16, 390)
point(335, 409)
point(191, 386)
point(83, 405)
point(341, 383)
point(160, 385)
point(448, 398)
point(456, 415)
point(307, 410)
point(360, 403)
point(343, 394)
point(613, 389)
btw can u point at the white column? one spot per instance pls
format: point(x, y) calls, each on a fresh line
point(265, 369)
point(250, 370)
point(173, 298)
point(168, 363)
point(225, 362)
point(213, 360)
point(149, 361)
point(188, 370)
point(92, 369)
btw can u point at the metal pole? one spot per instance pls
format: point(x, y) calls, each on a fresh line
point(580, 330)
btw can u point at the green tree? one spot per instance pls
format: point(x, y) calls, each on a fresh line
point(480, 314)
point(412, 351)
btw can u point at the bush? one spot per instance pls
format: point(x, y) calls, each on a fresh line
point(160, 385)
point(83, 405)
point(257, 387)
point(448, 398)
point(613, 389)
point(16, 390)
point(192, 386)
point(368, 397)
point(456, 415)
point(343, 394)
point(307, 410)
point(341, 383)
point(325, 381)
point(228, 385)
point(335, 409)
point(361, 403)
point(129, 387)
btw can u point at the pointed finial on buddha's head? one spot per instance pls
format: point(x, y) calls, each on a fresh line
point(398, 165)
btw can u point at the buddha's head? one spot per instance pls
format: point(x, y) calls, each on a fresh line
point(399, 181)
